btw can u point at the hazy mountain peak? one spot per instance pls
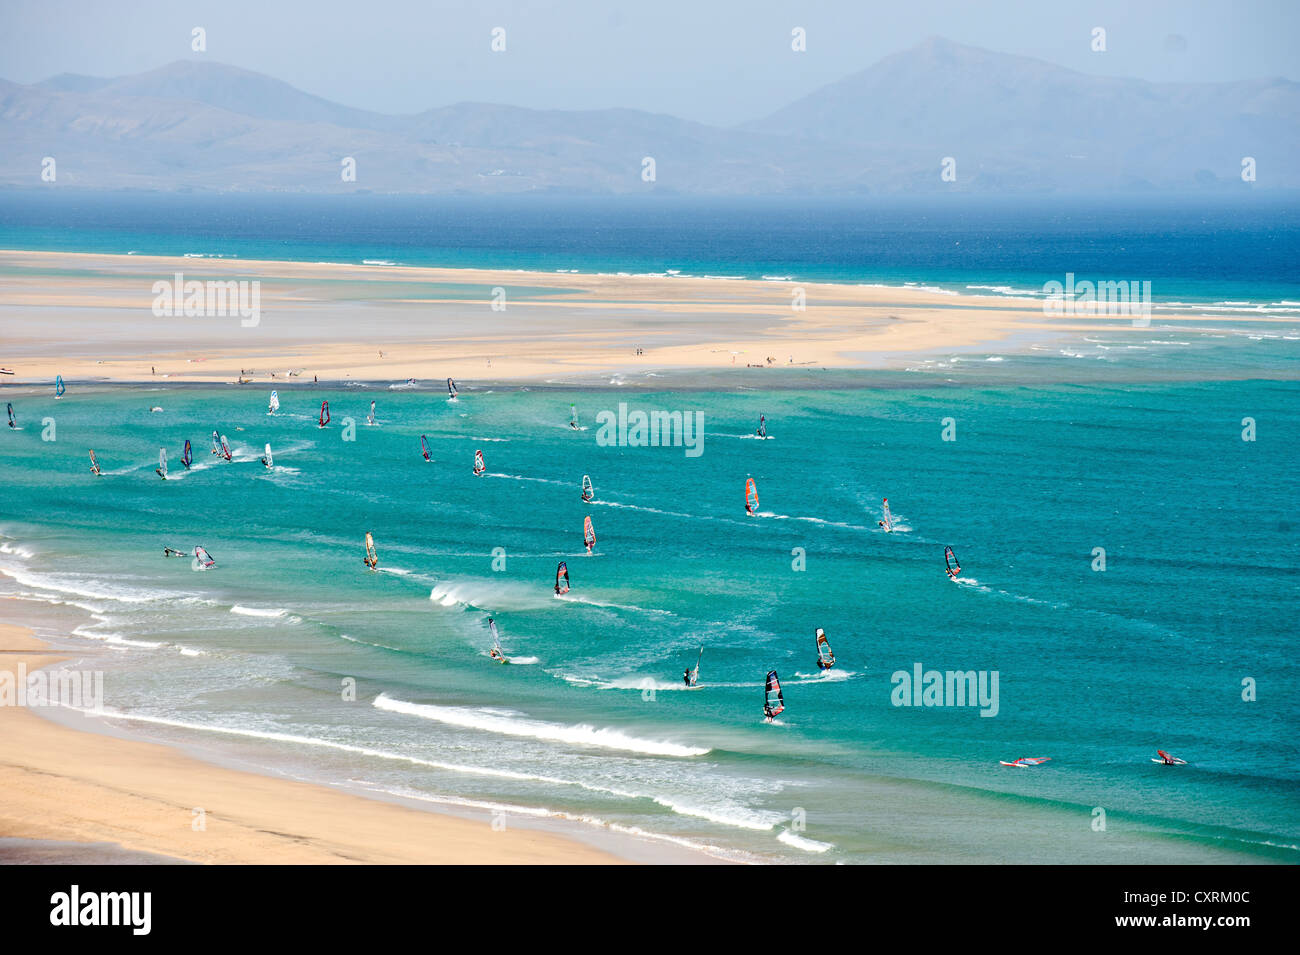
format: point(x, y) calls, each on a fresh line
point(241, 91)
point(73, 82)
point(1008, 123)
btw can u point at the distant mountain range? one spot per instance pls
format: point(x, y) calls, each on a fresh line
point(1010, 123)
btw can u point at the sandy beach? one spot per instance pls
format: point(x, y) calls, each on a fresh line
point(67, 786)
point(90, 317)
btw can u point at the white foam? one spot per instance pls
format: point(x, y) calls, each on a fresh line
point(799, 842)
point(95, 589)
point(259, 611)
point(735, 817)
point(833, 675)
point(572, 598)
point(581, 734)
point(277, 737)
point(116, 639)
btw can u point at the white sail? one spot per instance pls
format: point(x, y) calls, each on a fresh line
point(274, 404)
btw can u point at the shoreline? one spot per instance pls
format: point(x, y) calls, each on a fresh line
point(97, 321)
point(118, 795)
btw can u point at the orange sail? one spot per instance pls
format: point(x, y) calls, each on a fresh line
point(751, 496)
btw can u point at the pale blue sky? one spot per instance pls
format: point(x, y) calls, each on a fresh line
point(717, 61)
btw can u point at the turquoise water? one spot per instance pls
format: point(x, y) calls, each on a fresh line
point(591, 724)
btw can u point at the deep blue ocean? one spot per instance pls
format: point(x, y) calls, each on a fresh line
point(1191, 250)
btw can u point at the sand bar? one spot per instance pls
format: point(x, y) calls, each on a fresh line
point(91, 317)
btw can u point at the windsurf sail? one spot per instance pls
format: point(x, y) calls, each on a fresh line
point(267, 461)
point(161, 469)
point(773, 700)
point(695, 674)
point(479, 466)
point(274, 404)
point(203, 559)
point(216, 443)
point(324, 413)
point(588, 492)
point(888, 522)
point(1027, 761)
point(424, 448)
point(496, 652)
point(588, 534)
point(370, 418)
point(372, 559)
point(573, 417)
point(12, 423)
point(451, 389)
point(225, 448)
point(950, 559)
point(187, 456)
point(1168, 760)
point(562, 578)
point(762, 426)
point(751, 496)
point(825, 655)
point(58, 386)
point(94, 465)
